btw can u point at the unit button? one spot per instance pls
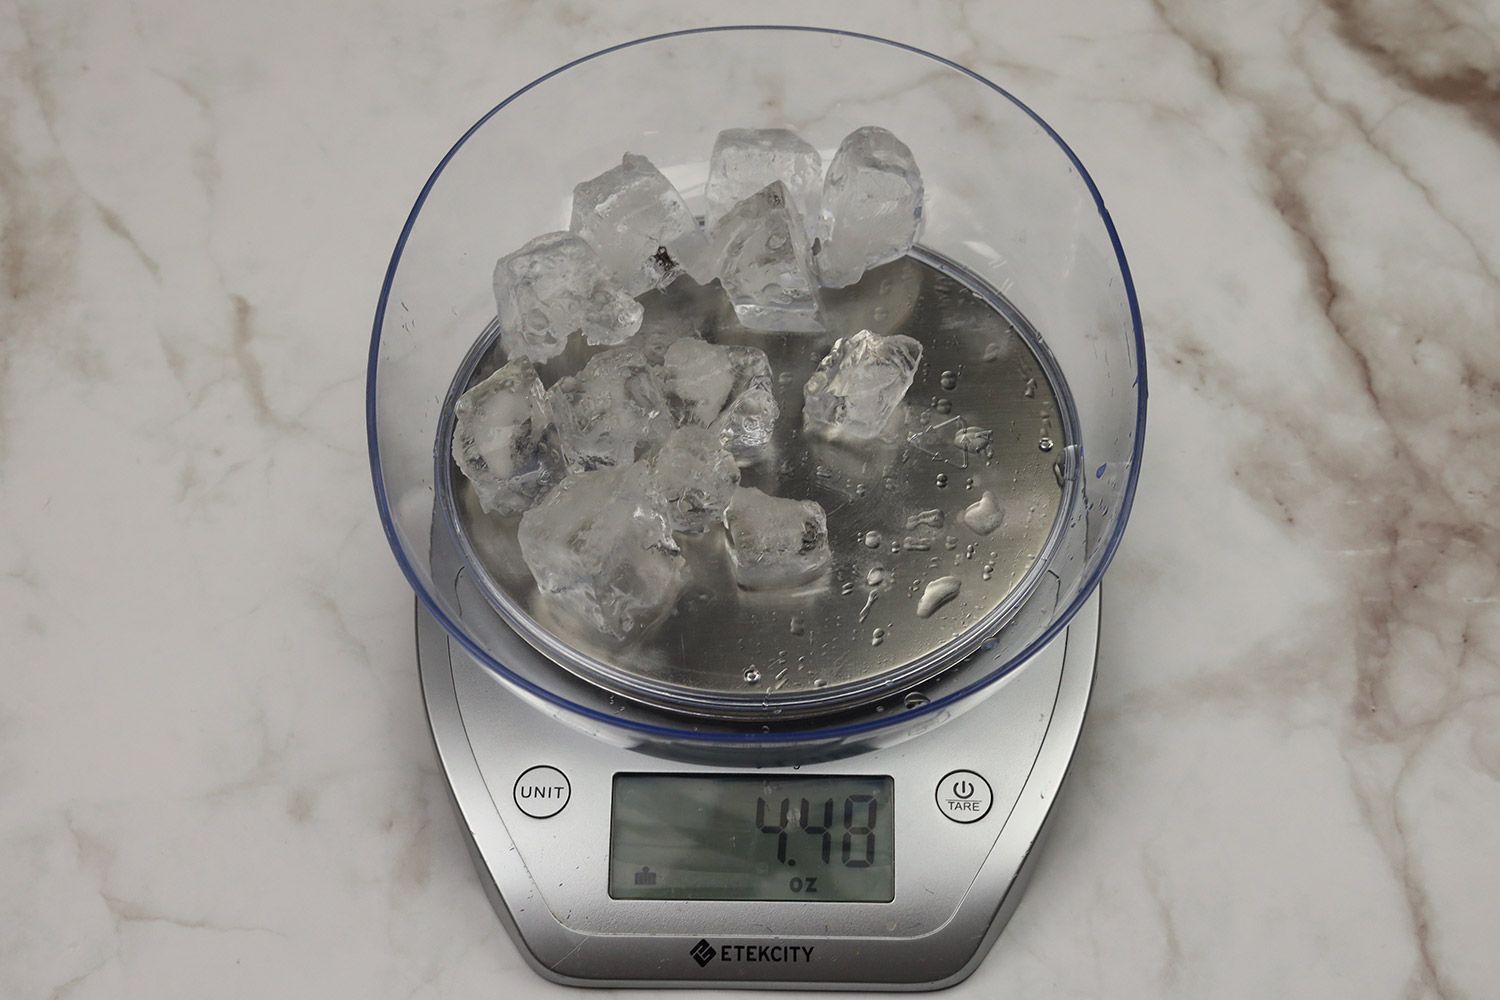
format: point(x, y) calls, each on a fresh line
point(964, 797)
point(542, 791)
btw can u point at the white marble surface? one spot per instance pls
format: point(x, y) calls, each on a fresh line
point(215, 776)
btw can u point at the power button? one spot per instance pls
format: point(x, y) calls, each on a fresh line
point(964, 796)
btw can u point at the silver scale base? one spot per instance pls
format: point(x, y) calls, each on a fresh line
point(957, 883)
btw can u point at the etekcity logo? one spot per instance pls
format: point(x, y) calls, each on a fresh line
point(703, 953)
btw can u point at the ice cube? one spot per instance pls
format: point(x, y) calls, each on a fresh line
point(872, 206)
point(500, 441)
point(653, 343)
point(749, 419)
point(612, 412)
point(696, 475)
point(775, 542)
point(556, 286)
point(859, 385)
point(641, 227)
point(600, 546)
point(698, 378)
point(765, 264)
point(745, 160)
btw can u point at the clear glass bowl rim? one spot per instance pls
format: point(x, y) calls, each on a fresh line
point(791, 735)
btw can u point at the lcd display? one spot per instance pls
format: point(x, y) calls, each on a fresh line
point(772, 837)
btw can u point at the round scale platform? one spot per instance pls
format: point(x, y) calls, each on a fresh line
point(987, 413)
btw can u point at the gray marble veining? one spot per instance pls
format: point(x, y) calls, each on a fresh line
point(215, 777)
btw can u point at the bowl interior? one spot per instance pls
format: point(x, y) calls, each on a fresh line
point(1007, 202)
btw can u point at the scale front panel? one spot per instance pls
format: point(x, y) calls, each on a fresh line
point(891, 868)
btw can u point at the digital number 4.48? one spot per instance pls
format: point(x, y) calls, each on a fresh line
point(857, 841)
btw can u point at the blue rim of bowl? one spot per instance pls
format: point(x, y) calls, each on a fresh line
point(1106, 556)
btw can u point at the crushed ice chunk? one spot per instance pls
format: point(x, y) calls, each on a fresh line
point(729, 388)
point(698, 378)
point(653, 342)
point(859, 385)
point(749, 420)
point(641, 227)
point(600, 546)
point(556, 286)
point(775, 542)
point(872, 206)
point(612, 412)
point(500, 441)
point(696, 475)
point(745, 160)
point(764, 262)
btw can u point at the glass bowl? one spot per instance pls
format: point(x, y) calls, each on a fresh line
point(1018, 260)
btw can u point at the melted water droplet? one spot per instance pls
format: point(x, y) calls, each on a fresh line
point(915, 699)
point(1045, 444)
point(817, 683)
point(798, 627)
point(942, 480)
point(984, 515)
point(872, 539)
point(1030, 390)
point(876, 576)
point(931, 518)
point(950, 543)
point(752, 676)
point(861, 489)
point(992, 352)
point(938, 592)
point(948, 380)
point(943, 405)
point(847, 589)
point(877, 637)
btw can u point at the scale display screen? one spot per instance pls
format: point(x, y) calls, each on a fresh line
point(770, 837)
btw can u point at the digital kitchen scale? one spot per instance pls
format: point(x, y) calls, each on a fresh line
point(841, 784)
point(898, 873)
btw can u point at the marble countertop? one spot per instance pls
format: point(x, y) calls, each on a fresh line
point(215, 773)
